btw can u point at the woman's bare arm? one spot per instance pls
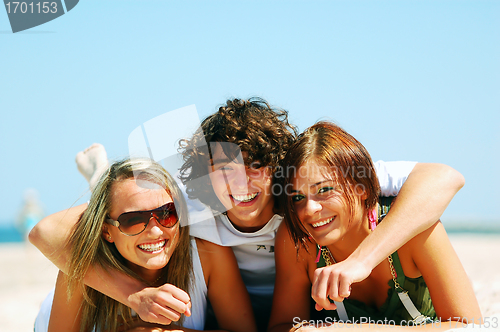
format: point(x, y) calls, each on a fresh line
point(450, 288)
point(225, 288)
point(292, 290)
point(65, 315)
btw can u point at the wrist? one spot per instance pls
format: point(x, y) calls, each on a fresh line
point(136, 297)
point(133, 301)
point(368, 254)
point(116, 285)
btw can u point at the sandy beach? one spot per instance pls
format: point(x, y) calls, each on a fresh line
point(26, 277)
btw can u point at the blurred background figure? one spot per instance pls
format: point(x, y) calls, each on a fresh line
point(31, 212)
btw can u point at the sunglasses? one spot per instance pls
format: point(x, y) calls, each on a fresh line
point(135, 222)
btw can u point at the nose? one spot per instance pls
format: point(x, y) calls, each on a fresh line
point(154, 228)
point(240, 180)
point(312, 208)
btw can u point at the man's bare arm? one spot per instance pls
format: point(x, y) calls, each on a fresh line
point(420, 203)
point(51, 235)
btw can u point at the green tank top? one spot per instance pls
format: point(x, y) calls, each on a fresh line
point(393, 308)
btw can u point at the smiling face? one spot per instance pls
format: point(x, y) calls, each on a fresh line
point(321, 206)
point(148, 252)
point(245, 191)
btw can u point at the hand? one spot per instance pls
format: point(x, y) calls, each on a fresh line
point(161, 305)
point(334, 282)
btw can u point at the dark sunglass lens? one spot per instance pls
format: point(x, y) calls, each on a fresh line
point(167, 215)
point(133, 223)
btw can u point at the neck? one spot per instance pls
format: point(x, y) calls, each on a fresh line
point(151, 276)
point(344, 247)
point(256, 225)
point(252, 225)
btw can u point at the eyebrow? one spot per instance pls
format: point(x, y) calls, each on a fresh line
point(321, 182)
point(313, 185)
point(220, 161)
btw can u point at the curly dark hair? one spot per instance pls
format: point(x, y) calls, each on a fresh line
point(252, 125)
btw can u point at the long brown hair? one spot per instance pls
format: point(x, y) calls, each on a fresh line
point(88, 248)
point(343, 156)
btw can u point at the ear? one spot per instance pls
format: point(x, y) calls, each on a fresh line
point(106, 235)
point(364, 196)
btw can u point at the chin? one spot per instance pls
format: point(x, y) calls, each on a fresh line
point(325, 240)
point(158, 263)
point(156, 266)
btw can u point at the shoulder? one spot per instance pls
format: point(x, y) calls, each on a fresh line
point(283, 237)
point(213, 255)
point(282, 233)
point(430, 237)
point(450, 288)
point(286, 252)
point(432, 244)
point(209, 249)
point(284, 241)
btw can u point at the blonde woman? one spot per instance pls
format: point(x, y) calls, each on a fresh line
point(135, 223)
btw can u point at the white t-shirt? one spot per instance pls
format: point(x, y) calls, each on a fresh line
point(255, 251)
point(392, 175)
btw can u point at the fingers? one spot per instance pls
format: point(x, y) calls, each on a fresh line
point(164, 305)
point(166, 313)
point(172, 302)
point(319, 308)
point(188, 310)
point(334, 282)
point(179, 301)
point(154, 318)
point(344, 288)
point(152, 312)
point(325, 288)
point(329, 286)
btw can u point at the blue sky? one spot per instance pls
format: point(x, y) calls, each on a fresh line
point(412, 80)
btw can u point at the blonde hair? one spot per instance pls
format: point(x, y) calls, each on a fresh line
point(88, 247)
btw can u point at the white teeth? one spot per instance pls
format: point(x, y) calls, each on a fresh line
point(321, 223)
point(152, 246)
point(244, 198)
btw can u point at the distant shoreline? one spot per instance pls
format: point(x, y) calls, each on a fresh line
point(10, 233)
point(478, 226)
